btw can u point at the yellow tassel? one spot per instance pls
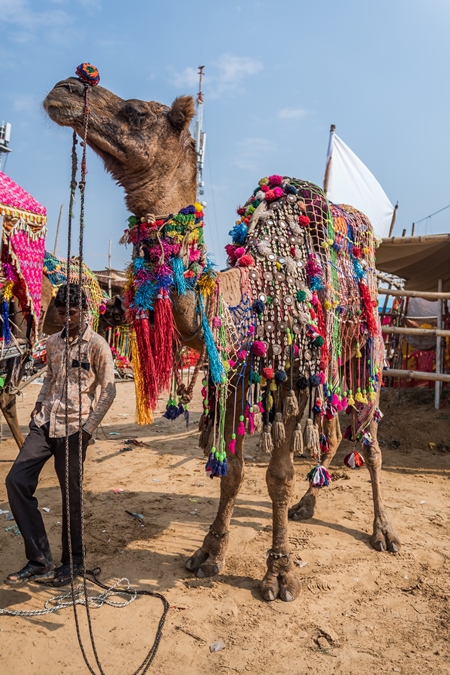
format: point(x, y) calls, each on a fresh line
point(358, 351)
point(143, 414)
point(287, 365)
point(372, 395)
point(207, 284)
point(273, 386)
point(289, 337)
point(365, 397)
point(327, 304)
point(262, 382)
point(359, 397)
point(8, 291)
point(350, 399)
point(269, 402)
point(198, 207)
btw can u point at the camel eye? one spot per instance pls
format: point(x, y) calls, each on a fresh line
point(135, 115)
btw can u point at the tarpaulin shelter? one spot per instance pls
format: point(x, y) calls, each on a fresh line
point(22, 249)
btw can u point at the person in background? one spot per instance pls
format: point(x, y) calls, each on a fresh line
point(47, 438)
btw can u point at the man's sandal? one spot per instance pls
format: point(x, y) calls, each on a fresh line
point(28, 573)
point(62, 574)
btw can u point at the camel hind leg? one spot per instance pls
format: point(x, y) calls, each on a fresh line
point(383, 537)
point(304, 509)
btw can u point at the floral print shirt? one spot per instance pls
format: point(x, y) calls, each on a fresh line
point(97, 369)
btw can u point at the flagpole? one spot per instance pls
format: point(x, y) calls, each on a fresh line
point(394, 216)
point(329, 155)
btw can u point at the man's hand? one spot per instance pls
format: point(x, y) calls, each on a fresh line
point(85, 437)
point(36, 410)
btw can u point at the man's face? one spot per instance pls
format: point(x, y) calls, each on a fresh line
point(74, 317)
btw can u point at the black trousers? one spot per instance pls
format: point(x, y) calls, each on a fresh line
point(21, 483)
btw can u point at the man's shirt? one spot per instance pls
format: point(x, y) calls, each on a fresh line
point(97, 368)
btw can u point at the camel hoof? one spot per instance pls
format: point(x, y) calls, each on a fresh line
point(378, 545)
point(304, 510)
point(209, 570)
point(393, 548)
point(193, 563)
point(286, 596)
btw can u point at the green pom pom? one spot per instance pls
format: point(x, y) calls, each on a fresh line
point(256, 377)
point(233, 436)
point(318, 342)
point(241, 418)
point(301, 296)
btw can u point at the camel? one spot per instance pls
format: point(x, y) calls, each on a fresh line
point(148, 149)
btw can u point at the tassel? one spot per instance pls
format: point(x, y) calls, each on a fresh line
point(359, 397)
point(334, 400)
point(297, 441)
point(269, 402)
point(290, 405)
point(241, 426)
point(217, 464)
point(311, 439)
point(354, 460)
point(257, 417)
point(266, 443)
point(278, 430)
point(179, 280)
point(6, 333)
point(232, 444)
point(350, 400)
point(358, 351)
point(215, 364)
point(324, 444)
point(163, 341)
point(251, 422)
point(319, 477)
point(144, 372)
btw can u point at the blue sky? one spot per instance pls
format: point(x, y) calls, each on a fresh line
point(276, 76)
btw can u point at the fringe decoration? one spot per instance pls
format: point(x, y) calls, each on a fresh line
point(241, 426)
point(290, 405)
point(215, 364)
point(6, 329)
point(367, 303)
point(217, 464)
point(319, 477)
point(311, 439)
point(266, 443)
point(163, 334)
point(278, 429)
point(232, 444)
point(179, 280)
point(144, 411)
point(297, 440)
point(354, 460)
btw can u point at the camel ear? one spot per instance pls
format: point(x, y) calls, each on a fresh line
point(181, 112)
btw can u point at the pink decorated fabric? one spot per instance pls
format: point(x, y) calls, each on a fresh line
point(27, 257)
point(15, 197)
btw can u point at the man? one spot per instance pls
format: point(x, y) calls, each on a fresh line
point(47, 438)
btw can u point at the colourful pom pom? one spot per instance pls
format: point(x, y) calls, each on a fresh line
point(259, 348)
point(268, 373)
point(354, 460)
point(259, 307)
point(319, 477)
point(246, 260)
point(278, 192)
point(270, 195)
point(301, 296)
point(303, 221)
point(318, 342)
point(280, 376)
point(275, 179)
point(88, 74)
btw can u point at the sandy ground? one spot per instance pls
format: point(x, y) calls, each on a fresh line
point(359, 611)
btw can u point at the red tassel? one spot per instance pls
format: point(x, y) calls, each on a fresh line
point(372, 325)
point(142, 329)
point(251, 423)
point(232, 445)
point(163, 333)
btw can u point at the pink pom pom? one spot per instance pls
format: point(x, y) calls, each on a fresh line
point(204, 392)
point(334, 400)
point(314, 299)
point(241, 429)
point(278, 192)
point(239, 251)
point(275, 179)
point(270, 195)
point(296, 350)
point(344, 403)
point(242, 354)
point(259, 348)
point(265, 188)
point(216, 322)
point(322, 377)
point(232, 446)
point(251, 330)
point(231, 363)
point(246, 260)
point(230, 250)
point(339, 406)
point(241, 211)
point(261, 407)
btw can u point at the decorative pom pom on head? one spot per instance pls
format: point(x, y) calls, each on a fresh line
point(268, 373)
point(88, 74)
point(280, 376)
point(302, 382)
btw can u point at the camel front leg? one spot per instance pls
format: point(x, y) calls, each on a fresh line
point(209, 559)
point(280, 578)
point(383, 537)
point(305, 508)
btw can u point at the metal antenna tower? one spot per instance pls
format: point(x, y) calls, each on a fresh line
point(5, 136)
point(200, 139)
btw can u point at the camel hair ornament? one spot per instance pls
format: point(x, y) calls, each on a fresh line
point(290, 327)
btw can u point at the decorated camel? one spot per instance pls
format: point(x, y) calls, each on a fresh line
point(291, 327)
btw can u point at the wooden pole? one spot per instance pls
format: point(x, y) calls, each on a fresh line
point(438, 385)
point(415, 375)
point(57, 229)
point(394, 216)
point(401, 330)
point(427, 295)
point(326, 178)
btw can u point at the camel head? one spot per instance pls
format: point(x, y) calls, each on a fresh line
point(146, 146)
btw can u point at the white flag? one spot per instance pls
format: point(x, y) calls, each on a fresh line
point(350, 182)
